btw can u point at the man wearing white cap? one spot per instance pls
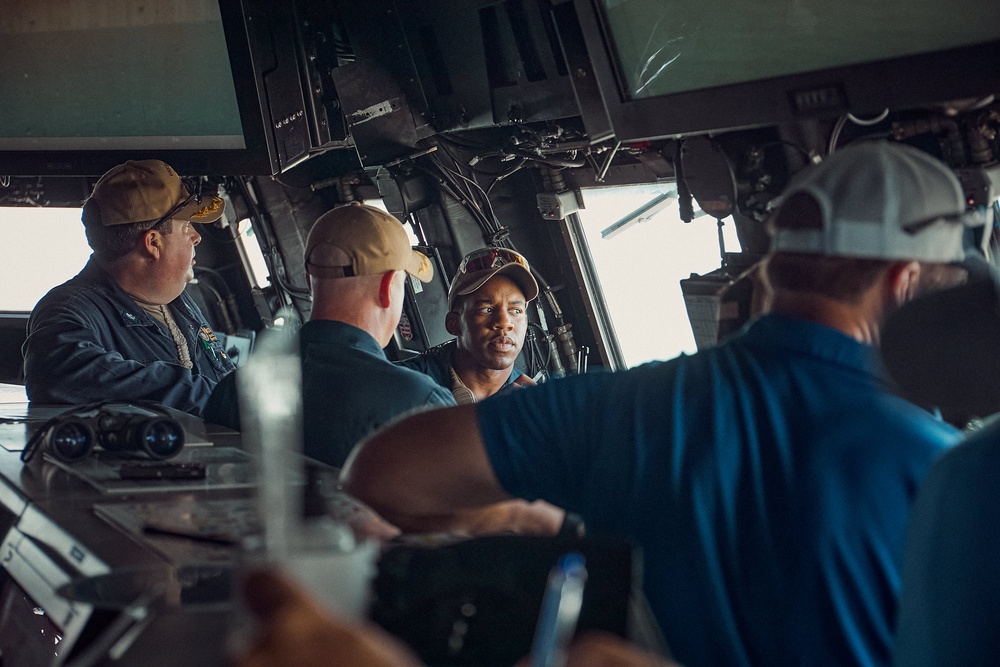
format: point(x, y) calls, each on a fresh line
point(123, 329)
point(768, 480)
point(488, 315)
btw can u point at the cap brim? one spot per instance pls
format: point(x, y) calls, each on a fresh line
point(420, 267)
point(209, 209)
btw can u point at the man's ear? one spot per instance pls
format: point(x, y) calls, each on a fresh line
point(385, 289)
point(902, 280)
point(451, 323)
point(152, 243)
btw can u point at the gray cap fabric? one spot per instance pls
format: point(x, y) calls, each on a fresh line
point(880, 200)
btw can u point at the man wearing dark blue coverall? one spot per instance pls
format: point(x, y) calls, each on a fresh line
point(123, 328)
point(768, 480)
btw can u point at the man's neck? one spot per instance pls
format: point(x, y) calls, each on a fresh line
point(482, 382)
point(367, 321)
point(136, 281)
point(859, 320)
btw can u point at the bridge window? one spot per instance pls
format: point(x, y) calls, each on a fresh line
point(642, 250)
point(41, 248)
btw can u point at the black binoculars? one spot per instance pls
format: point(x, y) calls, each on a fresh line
point(143, 429)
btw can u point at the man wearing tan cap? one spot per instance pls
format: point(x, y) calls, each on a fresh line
point(123, 328)
point(357, 260)
point(487, 314)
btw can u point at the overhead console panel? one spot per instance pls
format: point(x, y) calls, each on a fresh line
point(429, 66)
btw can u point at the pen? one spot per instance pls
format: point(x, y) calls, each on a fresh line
point(208, 348)
point(560, 611)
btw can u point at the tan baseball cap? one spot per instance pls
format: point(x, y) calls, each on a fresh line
point(360, 240)
point(145, 190)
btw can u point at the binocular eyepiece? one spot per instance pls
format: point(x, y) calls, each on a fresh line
point(146, 431)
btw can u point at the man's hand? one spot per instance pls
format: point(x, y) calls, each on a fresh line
point(510, 517)
point(294, 630)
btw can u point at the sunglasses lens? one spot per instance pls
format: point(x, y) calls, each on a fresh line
point(490, 258)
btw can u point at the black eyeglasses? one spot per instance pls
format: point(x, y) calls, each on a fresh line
point(491, 258)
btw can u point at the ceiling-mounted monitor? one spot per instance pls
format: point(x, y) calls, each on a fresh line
point(677, 67)
point(210, 86)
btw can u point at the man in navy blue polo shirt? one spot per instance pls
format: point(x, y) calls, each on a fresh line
point(768, 480)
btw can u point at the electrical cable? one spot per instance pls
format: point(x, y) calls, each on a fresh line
point(518, 167)
point(228, 302)
point(444, 182)
point(550, 161)
point(270, 250)
point(227, 322)
point(838, 127)
point(486, 199)
point(548, 350)
point(452, 190)
point(867, 122)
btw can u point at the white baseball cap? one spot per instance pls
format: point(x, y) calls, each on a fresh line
point(878, 200)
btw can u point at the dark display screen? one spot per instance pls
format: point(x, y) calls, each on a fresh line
point(124, 77)
point(677, 46)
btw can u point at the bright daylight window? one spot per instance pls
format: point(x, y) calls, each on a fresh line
point(641, 264)
point(41, 248)
point(253, 255)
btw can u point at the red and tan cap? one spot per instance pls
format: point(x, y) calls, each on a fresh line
point(479, 266)
point(146, 190)
point(360, 240)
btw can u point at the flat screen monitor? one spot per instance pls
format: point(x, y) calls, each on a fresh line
point(86, 85)
point(677, 67)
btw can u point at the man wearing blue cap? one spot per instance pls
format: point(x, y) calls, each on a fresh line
point(768, 480)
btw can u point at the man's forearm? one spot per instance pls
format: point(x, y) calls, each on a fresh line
point(429, 472)
point(516, 516)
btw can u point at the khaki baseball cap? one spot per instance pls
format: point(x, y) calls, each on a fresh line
point(146, 190)
point(479, 266)
point(360, 240)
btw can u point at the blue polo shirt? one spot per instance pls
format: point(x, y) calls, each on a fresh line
point(951, 575)
point(768, 481)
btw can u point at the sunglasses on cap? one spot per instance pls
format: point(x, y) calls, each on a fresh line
point(490, 258)
point(177, 207)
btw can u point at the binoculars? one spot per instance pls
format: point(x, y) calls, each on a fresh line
point(147, 430)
